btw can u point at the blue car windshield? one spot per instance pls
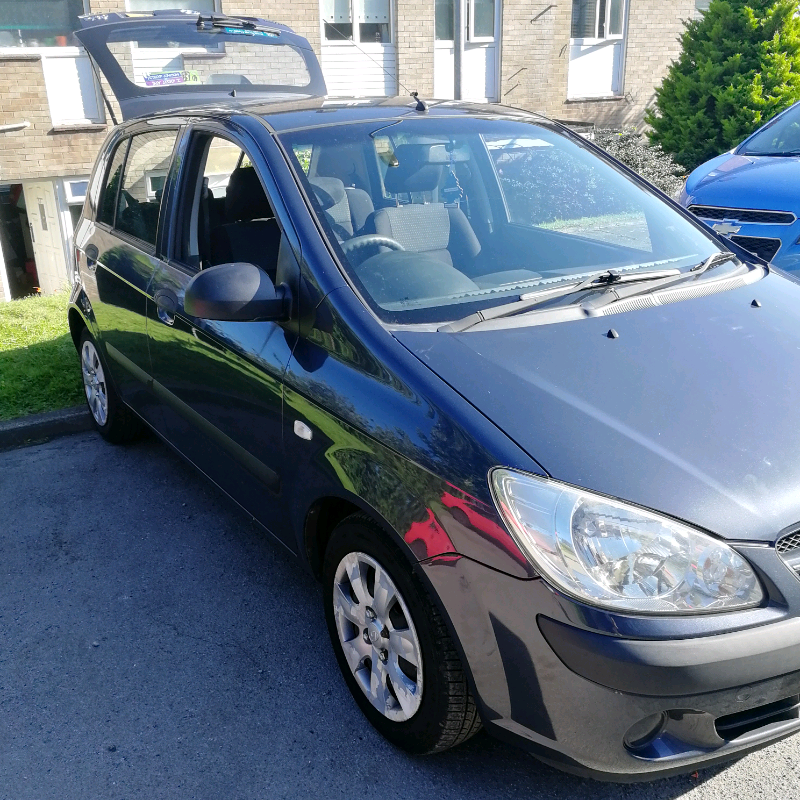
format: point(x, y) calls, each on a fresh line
point(781, 137)
point(437, 217)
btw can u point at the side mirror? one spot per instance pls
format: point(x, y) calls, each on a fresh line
point(236, 292)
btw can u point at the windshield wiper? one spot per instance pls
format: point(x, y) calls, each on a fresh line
point(532, 299)
point(605, 299)
point(221, 21)
point(795, 152)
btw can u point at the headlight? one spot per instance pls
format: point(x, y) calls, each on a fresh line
point(617, 556)
point(676, 195)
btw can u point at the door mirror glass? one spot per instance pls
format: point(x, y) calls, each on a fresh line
point(236, 292)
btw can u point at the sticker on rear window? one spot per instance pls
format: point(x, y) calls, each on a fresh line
point(170, 78)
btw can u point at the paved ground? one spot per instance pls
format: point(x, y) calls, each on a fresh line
point(153, 644)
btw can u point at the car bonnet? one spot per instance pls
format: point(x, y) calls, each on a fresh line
point(692, 410)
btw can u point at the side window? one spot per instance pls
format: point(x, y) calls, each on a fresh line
point(108, 198)
point(231, 218)
point(141, 191)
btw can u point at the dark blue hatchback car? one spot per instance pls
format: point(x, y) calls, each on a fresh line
point(750, 194)
point(532, 425)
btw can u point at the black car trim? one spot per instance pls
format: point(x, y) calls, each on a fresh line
point(267, 476)
point(678, 667)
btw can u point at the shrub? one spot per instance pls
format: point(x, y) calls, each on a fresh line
point(738, 67)
point(649, 160)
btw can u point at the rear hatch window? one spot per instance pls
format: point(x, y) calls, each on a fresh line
point(159, 61)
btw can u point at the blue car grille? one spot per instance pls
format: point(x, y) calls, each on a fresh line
point(759, 245)
point(744, 215)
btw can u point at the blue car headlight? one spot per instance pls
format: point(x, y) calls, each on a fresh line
point(617, 556)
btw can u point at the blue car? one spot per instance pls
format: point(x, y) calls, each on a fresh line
point(750, 194)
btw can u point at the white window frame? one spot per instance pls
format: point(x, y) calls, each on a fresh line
point(471, 37)
point(615, 37)
point(73, 199)
point(149, 175)
point(50, 54)
point(355, 21)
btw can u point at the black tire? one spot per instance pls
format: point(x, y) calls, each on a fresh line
point(447, 714)
point(121, 424)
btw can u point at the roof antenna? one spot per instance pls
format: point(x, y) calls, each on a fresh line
point(421, 104)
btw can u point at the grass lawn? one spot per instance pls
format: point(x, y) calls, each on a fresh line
point(38, 363)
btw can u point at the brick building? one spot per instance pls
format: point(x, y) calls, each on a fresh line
point(582, 60)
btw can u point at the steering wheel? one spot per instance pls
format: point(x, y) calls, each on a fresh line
point(370, 240)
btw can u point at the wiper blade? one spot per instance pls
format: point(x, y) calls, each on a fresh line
point(532, 299)
point(221, 21)
point(612, 295)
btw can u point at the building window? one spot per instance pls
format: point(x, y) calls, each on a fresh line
point(39, 23)
point(158, 5)
point(480, 20)
point(700, 8)
point(597, 19)
point(364, 21)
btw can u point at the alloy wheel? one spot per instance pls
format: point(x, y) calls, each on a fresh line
point(94, 383)
point(378, 637)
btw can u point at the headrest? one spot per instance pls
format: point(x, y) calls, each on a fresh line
point(328, 191)
point(244, 197)
point(415, 171)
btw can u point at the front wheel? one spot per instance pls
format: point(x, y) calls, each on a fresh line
point(114, 421)
point(394, 650)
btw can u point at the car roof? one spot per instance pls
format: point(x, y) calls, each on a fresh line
point(316, 112)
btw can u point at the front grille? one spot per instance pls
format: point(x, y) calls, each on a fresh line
point(759, 246)
point(788, 543)
point(744, 215)
point(732, 726)
point(788, 549)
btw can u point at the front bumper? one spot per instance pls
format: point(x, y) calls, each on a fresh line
point(551, 676)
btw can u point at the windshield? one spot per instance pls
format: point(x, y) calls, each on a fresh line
point(435, 218)
point(779, 137)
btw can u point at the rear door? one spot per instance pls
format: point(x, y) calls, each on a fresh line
point(165, 60)
point(118, 255)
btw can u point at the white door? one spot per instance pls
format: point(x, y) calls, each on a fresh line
point(48, 247)
point(479, 67)
point(359, 56)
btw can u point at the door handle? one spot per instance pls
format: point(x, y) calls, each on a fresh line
point(167, 304)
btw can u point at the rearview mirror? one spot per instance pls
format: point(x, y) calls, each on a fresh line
point(236, 292)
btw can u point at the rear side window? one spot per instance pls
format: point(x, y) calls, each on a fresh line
point(140, 195)
point(111, 189)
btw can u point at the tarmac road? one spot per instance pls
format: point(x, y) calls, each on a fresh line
point(156, 644)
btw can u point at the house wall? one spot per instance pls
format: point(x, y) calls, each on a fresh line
point(39, 150)
point(535, 59)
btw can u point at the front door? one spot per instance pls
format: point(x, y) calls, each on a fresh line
point(220, 383)
point(479, 66)
point(48, 246)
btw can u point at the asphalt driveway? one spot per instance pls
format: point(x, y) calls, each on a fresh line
point(155, 644)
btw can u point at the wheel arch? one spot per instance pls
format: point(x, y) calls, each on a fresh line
point(322, 517)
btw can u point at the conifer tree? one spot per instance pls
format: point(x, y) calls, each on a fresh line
point(739, 66)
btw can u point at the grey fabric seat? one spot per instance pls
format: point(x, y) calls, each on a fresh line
point(252, 233)
point(439, 230)
point(346, 209)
